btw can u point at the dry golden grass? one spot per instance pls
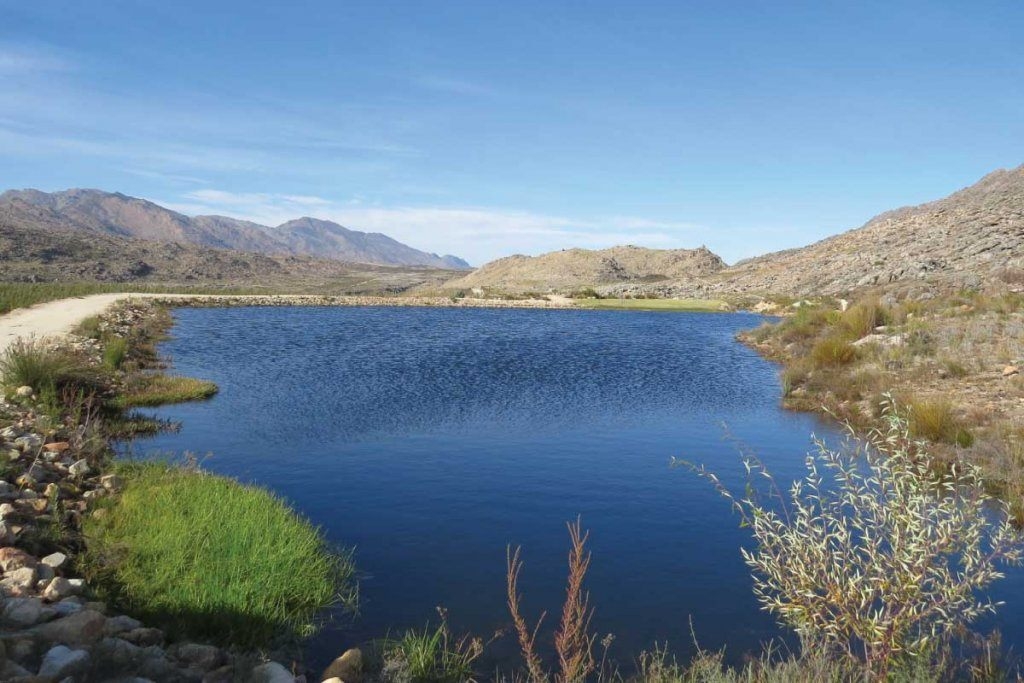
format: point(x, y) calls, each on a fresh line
point(935, 420)
point(832, 352)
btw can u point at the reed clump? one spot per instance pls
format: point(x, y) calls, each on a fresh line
point(207, 557)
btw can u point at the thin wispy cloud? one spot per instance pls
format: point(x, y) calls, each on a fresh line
point(453, 86)
point(29, 60)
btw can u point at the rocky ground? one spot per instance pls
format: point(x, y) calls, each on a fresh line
point(52, 626)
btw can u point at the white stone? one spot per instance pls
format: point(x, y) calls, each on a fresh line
point(55, 560)
point(62, 661)
point(271, 672)
point(58, 589)
point(29, 442)
point(66, 607)
point(19, 580)
point(24, 391)
point(80, 468)
point(121, 624)
point(111, 482)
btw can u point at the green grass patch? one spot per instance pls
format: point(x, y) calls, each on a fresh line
point(90, 327)
point(115, 351)
point(206, 557)
point(431, 655)
point(699, 305)
point(155, 390)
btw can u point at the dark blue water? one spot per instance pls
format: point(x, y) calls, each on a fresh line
point(430, 439)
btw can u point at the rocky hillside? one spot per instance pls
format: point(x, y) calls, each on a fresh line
point(118, 215)
point(575, 268)
point(969, 238)
point(40, 254)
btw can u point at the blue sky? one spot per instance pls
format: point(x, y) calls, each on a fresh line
point(490, 128)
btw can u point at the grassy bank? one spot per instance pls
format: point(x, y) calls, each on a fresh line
point(207, 557)
point(693, 305)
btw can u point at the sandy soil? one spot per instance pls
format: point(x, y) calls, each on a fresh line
point(53, 318)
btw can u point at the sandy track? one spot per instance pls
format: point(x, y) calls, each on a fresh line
point(53, 318)
point(57, 318)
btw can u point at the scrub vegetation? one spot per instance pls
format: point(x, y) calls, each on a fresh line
point(953, 359)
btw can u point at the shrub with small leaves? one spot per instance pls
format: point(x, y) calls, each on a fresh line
point(876, 553)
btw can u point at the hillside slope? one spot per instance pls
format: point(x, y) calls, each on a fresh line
point(965, 239)
point(330, 240)
point(118, 215)
point(33, 254)
point(574, 268)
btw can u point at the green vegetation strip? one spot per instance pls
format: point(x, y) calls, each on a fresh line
point(210, 558)
point(699, 305)
point(157, 390)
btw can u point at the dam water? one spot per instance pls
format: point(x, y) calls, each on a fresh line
point(431, 439)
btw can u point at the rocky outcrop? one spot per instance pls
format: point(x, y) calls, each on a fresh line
point(969, 239)
point(576, 268)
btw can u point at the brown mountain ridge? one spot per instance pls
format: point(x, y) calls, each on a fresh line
point(118, 215)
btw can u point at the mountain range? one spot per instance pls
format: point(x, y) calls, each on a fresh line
point(972, 237)
point(118, 215)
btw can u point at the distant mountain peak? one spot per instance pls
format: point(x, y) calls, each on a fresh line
point(113, 213)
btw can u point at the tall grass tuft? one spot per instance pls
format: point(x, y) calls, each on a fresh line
point(833, 352)
point(115, 351)
point(863, 317)
point(210, 558)
point(432, 655)
point(49, 370)
point(935, 420)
